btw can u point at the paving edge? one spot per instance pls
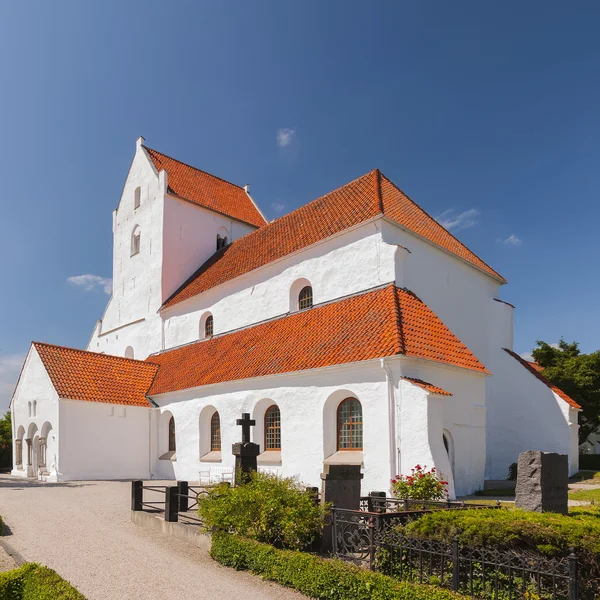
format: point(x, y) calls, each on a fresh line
point(186, 533)
point(18, 558)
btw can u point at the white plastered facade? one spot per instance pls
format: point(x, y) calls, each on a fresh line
point(485, 423)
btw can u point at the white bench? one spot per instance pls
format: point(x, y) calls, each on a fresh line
point(215, 475)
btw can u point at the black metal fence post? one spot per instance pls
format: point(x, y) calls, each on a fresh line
point(455, 564)
point(171, 504)
point(137, 489)
point(371, 543)
point(573, 575)
point(183, 491)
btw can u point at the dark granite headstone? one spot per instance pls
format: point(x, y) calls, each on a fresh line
point(245, 452)
point(341, 488)
point(542, 482)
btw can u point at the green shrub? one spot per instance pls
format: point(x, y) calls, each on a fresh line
point(589, 462)
point(420, 485)
point(512, 471)
point(34, 582)
point(316, 577)
point(269, 508)
point(550, 534)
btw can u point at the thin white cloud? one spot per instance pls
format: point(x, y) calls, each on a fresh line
point(277, 207)
point(511, 240)
point(91, 283)
point(453, 221)
point(285, 136)
point(10, 367)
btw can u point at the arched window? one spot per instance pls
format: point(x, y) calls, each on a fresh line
point(221, 241)
point(137, 197)
point(172, 445)
point(350, 425)
point(35, 408)
point(215, 432)
point(135, 241)
point(29, 407)
point(129, 352)
point(208, 326)
point(305, 298)
point(273, 428)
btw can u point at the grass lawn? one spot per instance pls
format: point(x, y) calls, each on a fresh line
point(587, 476)
point(587, 495)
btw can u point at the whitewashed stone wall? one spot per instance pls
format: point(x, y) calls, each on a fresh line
point(35, 387)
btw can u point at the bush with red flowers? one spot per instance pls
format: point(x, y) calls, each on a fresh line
point(420, 485)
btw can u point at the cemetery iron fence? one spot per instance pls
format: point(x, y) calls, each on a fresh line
point(370, 539)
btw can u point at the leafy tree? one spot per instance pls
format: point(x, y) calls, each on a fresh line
point(576, 374)
point(5, 441)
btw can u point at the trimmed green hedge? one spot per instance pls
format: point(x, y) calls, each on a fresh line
point(317, 577)
point(589, 462)
point(34, 582)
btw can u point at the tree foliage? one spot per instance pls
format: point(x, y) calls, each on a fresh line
point(5, 441)
point(576, 374)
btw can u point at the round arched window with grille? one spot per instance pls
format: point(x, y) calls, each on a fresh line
point(350, 425)
point(273, 428)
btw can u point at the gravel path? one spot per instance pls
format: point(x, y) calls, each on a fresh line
point(83, 531)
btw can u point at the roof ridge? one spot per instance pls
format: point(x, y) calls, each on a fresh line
point(100, 354)
point(399, 329)
point(419, 207)
point(195, 168)
point(378, 194)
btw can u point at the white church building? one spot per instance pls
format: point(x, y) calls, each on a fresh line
point(354, 330)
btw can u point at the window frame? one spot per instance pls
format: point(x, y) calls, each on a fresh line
point(276, 428)
point(351, 424)
point(172, 437)
point(215, 431)
point(137, 198)
point(308, 299)
point(209, 323)
point(136, 241)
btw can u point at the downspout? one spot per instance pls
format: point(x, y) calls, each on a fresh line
point(391, 417)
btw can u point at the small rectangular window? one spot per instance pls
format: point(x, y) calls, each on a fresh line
point(137, 199)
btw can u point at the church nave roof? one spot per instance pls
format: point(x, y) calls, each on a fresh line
point(368, 196)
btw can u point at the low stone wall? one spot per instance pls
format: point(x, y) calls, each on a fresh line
point(188, 533)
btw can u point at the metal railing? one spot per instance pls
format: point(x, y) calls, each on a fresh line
point(369, 539)
point(379, 502)
point(179, 503)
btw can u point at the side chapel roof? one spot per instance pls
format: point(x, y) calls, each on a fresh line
point(368, 196)
point(536, 371)
point(384, 322)
point(207, 190)
point(83, 375)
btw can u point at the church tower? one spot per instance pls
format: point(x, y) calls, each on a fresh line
point(170, 219)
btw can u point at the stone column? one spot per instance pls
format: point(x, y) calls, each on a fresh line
point(340, 488)
point(29, 457)
point(19, 453)
point(42, 441)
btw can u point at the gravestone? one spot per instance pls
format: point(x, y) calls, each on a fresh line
point(245, 452)
point(542, 482)
point(340, 488)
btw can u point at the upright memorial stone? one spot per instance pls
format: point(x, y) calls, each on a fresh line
point(542, 482)
point(245, 452)
point(340, 488)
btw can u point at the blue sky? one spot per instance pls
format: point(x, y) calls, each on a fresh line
point(485, 113)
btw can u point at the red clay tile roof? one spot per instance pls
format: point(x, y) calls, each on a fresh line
point(83, 375)
point(207, 190)
point(383, 322)
point(433, 389)
point(364, 198)
point(535, 370)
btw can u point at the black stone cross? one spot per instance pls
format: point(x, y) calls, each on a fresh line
point(246, 422)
